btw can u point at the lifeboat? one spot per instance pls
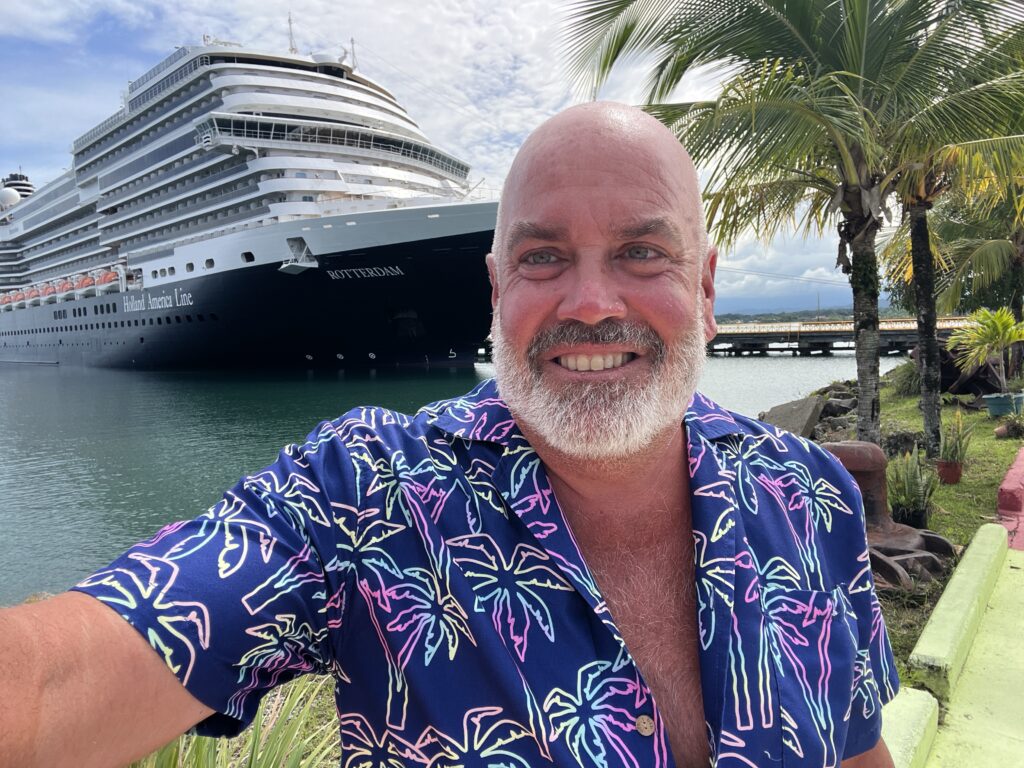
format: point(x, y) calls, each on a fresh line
point(107, 281)
point(5, 301)
point(32, 293)
point(65, 286)
point(18, 298)
point(48, 289)
point(84, 281)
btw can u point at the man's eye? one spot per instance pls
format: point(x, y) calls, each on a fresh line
point(641, 253)
point(540, 257)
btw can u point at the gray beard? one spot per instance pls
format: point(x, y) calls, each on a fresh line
point(601, 420)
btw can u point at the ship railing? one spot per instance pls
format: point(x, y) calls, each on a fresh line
point(155, 70)
point(90, 136)
point(220, 129)
point(135, 105)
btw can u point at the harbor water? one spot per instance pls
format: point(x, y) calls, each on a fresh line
point(93, 460)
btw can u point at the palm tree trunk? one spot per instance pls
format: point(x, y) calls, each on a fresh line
point(927, 340)
point(1017, 297)
point(864, 282)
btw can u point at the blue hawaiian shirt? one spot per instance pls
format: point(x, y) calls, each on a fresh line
point(424, 563)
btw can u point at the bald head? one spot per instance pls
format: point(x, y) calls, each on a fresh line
point(603, 143)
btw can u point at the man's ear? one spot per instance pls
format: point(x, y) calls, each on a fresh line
point(492, 272)
point(707, 283)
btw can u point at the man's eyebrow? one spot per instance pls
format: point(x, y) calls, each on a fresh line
point(528, 230)
point(660, 225)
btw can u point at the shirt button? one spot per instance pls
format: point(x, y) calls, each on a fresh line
point(645, 725)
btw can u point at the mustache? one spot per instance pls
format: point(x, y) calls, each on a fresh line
point(626, 332)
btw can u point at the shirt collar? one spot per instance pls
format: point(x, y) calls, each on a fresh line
point(482, 415)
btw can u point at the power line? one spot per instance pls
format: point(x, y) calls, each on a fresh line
point(821, 280)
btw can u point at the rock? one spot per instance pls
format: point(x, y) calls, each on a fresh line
point(899, 441)
point(839, 389)
point(837, 406)
point(798, 416)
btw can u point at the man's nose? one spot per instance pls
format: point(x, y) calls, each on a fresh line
point(592, 295)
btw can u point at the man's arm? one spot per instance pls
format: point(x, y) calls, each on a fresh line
point(876, 757)
point(80, 687)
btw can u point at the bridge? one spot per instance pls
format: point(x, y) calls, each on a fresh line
point(821, 337)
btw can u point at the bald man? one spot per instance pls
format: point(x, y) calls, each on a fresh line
point(582, 563)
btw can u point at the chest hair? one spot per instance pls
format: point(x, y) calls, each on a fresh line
point(650, 593)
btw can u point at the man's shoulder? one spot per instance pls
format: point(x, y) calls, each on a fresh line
point(464, 415)
point(749, 440)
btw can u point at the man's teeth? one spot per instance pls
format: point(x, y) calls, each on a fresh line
point(594, 362)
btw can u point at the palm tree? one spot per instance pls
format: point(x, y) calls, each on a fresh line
point(990, 333)
point(983, 242)
point(823, 103)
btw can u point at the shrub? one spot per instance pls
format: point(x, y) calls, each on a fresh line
point(910, 483)
point(1014, 426)
point(905, 379)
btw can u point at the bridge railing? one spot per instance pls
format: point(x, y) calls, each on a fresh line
point(892, 325)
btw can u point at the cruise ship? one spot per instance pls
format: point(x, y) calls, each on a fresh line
point(246, 209)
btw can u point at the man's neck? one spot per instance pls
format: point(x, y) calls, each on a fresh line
point(637, 499)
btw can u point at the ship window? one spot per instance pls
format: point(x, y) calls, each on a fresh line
point(209, 263)
point(177, 318)
point(142, 340)
point(189, 266)
point(151, 321)
point(163, 272)
point(168, 319)
point(170, 270)
point(113, 308)
point(159, 321)
point(189, 318)
point(95, 309)
point(200, 318)
point(154, 273)
point(248, 257)
point(307, 198)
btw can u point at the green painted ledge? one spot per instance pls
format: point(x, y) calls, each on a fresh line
point(938, 658)
point(909, 723)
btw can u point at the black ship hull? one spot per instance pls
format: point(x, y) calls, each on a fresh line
point(414, 303)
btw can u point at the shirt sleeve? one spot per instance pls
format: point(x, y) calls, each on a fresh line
point(875, 679)
point(245, 597)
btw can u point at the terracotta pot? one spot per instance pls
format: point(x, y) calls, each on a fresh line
point(949, 471)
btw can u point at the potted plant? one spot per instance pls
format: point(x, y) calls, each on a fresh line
point(989, 334)
point(956, 437)
point(910, 484)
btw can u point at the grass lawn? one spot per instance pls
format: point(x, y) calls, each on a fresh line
point(959, 509)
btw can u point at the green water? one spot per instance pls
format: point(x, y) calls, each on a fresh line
point(91, 460)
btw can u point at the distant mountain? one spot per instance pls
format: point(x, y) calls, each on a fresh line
point(803, 302)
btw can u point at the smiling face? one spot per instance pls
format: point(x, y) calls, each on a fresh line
point(602, 288)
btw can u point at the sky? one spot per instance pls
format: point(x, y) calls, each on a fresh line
point(476, 75)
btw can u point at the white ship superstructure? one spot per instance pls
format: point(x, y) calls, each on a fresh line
point(222, 166)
